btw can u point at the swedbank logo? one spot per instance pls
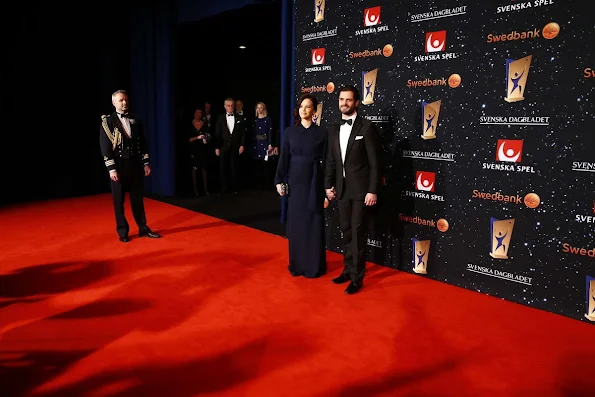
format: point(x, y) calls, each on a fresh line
point(453, 82)
point(531, 200)
point(329, 88)
point(387, 51)
point(549, 31)
point(441, 224)
point(314, 88)
point(570, 249)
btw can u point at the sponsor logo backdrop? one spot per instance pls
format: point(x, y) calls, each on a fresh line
point(487, 119)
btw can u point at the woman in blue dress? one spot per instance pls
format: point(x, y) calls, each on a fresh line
point(301, 170)
point(262, 149)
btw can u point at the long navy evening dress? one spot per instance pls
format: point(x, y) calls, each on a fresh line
point(301, 166)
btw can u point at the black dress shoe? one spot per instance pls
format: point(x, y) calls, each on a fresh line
point(124, 239)
point(352, 288)
point(149, 234)
point(294, 274)
point(343, 278)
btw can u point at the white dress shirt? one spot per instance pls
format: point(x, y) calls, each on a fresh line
point(230, 122)
point(126, 124)
point(344, 133)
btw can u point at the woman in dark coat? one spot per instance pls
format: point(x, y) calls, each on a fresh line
point(300, 176)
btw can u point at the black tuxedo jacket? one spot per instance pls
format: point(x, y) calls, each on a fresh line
point(224, 139)
point(115, 143)
point(362, 161)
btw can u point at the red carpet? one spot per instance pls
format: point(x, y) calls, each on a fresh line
point(210, 309)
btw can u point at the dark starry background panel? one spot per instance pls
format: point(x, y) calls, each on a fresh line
point(556, 88)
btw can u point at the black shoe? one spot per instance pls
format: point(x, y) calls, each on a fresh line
point(124, 239)
point(352, 288)
point(294, 274)
point(149, 234)
point(343, 278)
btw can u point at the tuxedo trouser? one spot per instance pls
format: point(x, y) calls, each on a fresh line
point(229, 163)
point(131, 174)
point(353, 221)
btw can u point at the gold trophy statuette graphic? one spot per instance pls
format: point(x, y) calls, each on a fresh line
point(430, 113)
point(318, 115)
point(421, 253)
point(590, 314)
point(369, 86)
point(319, 10)
point(500, 234)
point(516, 78)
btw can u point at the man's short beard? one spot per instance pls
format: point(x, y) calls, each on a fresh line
point(351, 111)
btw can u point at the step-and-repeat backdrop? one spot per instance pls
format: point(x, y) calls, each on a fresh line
point(486, 113)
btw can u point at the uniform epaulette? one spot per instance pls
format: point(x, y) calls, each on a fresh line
point(104, 116)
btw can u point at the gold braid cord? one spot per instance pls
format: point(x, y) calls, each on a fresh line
point(115, 138)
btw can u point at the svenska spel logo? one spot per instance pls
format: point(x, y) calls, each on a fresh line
point(510, 150)
point(318, 56)
point(372, 16)
point(425, 181)
point(436, 41)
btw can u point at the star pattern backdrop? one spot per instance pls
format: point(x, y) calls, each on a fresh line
point(489, 194)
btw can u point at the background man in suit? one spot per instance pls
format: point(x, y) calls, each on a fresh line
point(124, 150)
point(230, 136)
point(353, 176)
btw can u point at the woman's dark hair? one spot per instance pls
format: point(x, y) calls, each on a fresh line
point(296, 111)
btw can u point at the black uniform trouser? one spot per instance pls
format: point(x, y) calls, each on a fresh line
point(229, 165)
point(353, 216)
point(131, 175)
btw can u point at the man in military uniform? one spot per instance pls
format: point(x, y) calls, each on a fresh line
point(124, 150)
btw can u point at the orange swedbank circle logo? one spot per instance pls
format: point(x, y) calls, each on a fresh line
point(387, 50)
point(551, 30)
point(442, 225)
point(454, 80)
point(532, 200)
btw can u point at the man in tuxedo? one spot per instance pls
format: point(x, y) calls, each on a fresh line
point(353, 177)
point(209, 117)
point(240, 108)
point(124, 149)
point(230, 136)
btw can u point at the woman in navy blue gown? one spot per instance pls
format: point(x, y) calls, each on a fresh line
point(301, 167)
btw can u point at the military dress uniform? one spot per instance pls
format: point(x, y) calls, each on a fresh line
point(127, 154)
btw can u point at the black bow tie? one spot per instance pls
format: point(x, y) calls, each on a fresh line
point(123, 114)
point(347, 121)
point(229, 115)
